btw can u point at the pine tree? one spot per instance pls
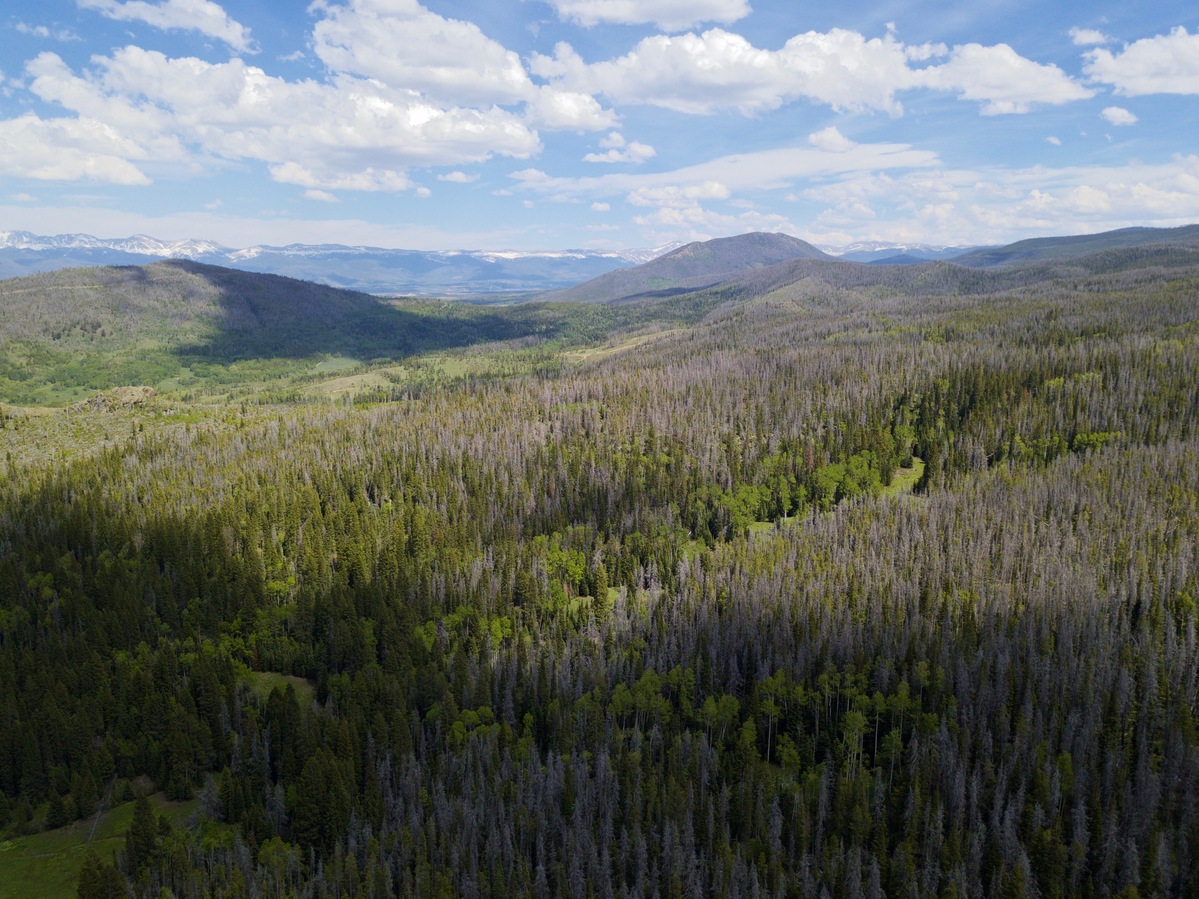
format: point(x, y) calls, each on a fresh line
point(601, 603)
point(100, 881)
point(141, 840)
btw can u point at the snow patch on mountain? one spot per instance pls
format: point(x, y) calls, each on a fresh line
point(371, 269)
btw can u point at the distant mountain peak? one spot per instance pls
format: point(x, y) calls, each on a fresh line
point(694, 265)
point(884, 251)
point(752, 245)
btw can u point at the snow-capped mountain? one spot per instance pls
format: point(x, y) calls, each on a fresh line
point(383, 270)
point(139, 244)
point(882, 251)
point(371, 269)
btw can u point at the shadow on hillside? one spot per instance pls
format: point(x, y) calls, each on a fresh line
point(269, 316)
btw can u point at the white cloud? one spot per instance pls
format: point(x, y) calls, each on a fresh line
point(831, 140)
point(413, 51)
point(187, 15)
point(1119, 116)
point(670, 15)
point(63, 35)
point(677, 199)
point(957, 207)
point(1165, 64)
point(1086, 37)
point(1002, 80)
point(1086, 200)
point(145, 129)
point(619, 150)
point(560, 110)
point(697, 223)
point(458, 178)
point(531, 176)
point(739, 173)
point(354, 134)
point(1053, 139)
point(365, 179)
point(409, 48)
point(679, 196)
point(700, 74)
point(321, 195)
point(68, 150)
point(601, 207)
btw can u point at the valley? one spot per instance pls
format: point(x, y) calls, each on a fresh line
point(777, 574)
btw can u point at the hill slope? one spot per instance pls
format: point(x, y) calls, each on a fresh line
point(1045, 249)
point(67, 334)
point(695, 265)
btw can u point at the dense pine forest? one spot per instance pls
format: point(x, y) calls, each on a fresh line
point(832, 581)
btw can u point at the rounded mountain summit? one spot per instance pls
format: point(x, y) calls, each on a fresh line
point(691, 267)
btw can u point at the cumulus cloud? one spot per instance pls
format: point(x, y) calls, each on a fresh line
point(831, 140)
point(601, 207)
point(1115, 115)
point(68, 150)
point(669, 15)
point(703, 73)
point(531, 176)
point(203, 16)
point(561, 110)
point(404, 45)
point(1002, 80)
point(619, 150)
point(458, 178)
point(348, 134)
point(411, 50)
point(1165, 64)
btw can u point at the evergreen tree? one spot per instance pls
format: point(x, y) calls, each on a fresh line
point(141, 840)
point(98, 880)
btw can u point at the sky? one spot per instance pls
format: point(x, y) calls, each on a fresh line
point(602, 124)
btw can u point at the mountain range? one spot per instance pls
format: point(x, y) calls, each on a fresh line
point(382, 270)
point(578, 275)
point(754, 265)
point(366, 269)
point(178, 324)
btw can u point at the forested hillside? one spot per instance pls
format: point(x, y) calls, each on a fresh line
point(198, 330)
point(882, 583)
point(690, 267)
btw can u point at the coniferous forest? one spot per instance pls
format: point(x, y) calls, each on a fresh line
point(833, 581)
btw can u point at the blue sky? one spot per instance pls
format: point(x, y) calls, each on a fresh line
point(596, 123)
